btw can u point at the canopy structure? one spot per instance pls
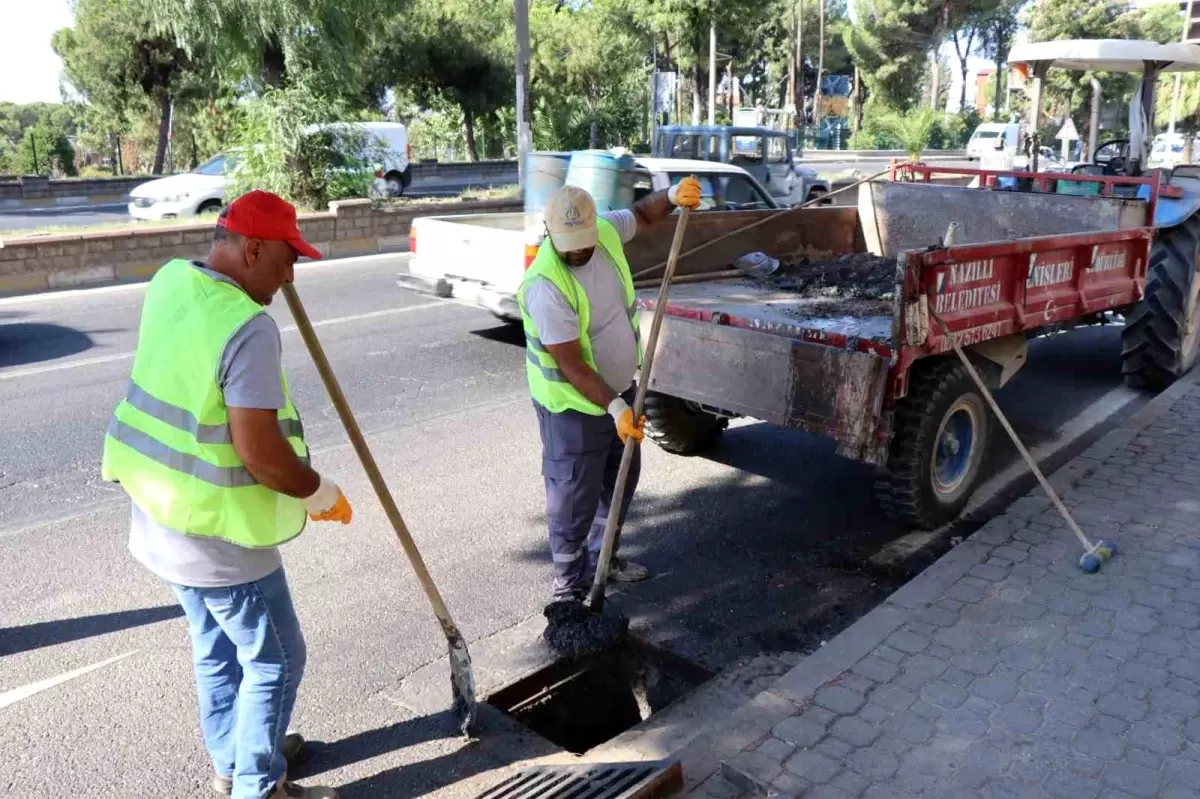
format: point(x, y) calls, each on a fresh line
point(1106, 55)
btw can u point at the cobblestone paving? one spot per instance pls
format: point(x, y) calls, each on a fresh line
point(1026, 677)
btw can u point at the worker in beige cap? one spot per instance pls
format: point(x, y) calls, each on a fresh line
point(582, 353)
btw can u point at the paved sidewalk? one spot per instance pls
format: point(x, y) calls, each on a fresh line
point(1003, 670)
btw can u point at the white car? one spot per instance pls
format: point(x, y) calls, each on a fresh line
point(203, 189)
point(200, 191)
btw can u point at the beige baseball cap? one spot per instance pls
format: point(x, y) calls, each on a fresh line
point(571, 219)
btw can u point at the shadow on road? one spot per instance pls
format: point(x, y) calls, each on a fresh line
point(511, 333)
point(32, 342)
point(495, 748)
point(322, 756)
point(62, 631)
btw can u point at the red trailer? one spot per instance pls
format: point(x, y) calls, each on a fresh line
point(881, 379)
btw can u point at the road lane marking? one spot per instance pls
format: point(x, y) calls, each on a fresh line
point(48, 296)
point(26, 691)
point(124, 356)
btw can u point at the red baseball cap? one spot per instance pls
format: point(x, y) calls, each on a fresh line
point(262, 215)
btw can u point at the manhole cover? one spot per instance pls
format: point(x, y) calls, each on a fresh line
point(607, 781)
point(580, 704)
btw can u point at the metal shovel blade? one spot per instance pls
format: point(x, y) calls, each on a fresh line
point(462, 686)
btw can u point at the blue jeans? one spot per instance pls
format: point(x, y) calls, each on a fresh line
point(249, 656)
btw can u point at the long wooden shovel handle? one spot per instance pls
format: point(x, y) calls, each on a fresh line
point(596, 598)
point(368, 461)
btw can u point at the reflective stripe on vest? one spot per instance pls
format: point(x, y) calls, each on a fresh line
point(548, 385)
point(185, 420)
point(169, 443)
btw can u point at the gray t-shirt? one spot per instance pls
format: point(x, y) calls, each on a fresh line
point(249, 378)
point(613, 344)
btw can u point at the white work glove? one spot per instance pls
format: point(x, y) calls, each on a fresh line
point(328, 504)
point(622, 414)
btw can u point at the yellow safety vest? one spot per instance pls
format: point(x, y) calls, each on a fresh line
point(168, 443)
point(549, 387)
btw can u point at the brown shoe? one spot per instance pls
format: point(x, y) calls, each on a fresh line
point(292, 743)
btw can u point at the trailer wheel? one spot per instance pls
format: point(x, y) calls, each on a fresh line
point(941, 434)
point(1159, 342)
point(680, 427)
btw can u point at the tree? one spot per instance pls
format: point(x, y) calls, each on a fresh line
point(272, 42)
point(1067, 91)
point(686, 24)
point(889, 43)
point(452, 51)
point(120, 64)
point(35, 138)
point(286, 141)
point(44, 150)
point(999, 28)
point(913, 130)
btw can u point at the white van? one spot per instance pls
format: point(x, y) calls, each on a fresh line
point(1167, 150)
point(993, 136)
point(394, 173)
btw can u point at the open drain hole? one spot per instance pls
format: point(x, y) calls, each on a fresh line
point(579, 704)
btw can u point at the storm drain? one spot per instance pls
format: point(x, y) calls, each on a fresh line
point(580, 704)
point(607, 781)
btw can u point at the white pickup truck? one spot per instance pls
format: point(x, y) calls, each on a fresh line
point(479, 259)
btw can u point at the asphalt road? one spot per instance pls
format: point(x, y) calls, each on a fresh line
point(79, 216)
point(761, 548)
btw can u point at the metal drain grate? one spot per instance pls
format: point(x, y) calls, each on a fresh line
point(603, 781)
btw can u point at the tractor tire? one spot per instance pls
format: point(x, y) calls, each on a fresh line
point(1159, 342)
point(940, 437)
point(679, 427)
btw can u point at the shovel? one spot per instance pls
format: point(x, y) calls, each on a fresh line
point(596, 598)
point(462, 679)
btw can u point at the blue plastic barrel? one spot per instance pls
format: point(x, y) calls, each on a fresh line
point(605, 176)
point(545, 173)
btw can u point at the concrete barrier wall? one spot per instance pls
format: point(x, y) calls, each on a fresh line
point(41, 192)
point(350, 227)
point(33, 191)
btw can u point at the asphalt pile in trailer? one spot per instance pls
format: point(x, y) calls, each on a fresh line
point(856, 284)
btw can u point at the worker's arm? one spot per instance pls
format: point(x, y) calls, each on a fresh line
point(271, 461)
point(267, 455)
point(589, 383)
point(250, 382)
point(658, 206)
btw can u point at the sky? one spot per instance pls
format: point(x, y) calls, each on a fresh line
point(29, 69)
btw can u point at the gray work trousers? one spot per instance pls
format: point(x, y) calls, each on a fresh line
point(581, 455)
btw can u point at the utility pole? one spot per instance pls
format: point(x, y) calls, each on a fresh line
point(800, 102)
point(1187, 25)
point(820, 64)
point(791, 90)
point(652, 129)
point(712, 72)
point(524, 109)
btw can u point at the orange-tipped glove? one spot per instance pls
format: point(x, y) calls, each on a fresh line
point(622, 414)
point(686, 193)
point(328, 504)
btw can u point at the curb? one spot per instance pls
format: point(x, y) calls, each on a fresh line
point(797, 687)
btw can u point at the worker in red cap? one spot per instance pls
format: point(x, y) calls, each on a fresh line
point(211, 450)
